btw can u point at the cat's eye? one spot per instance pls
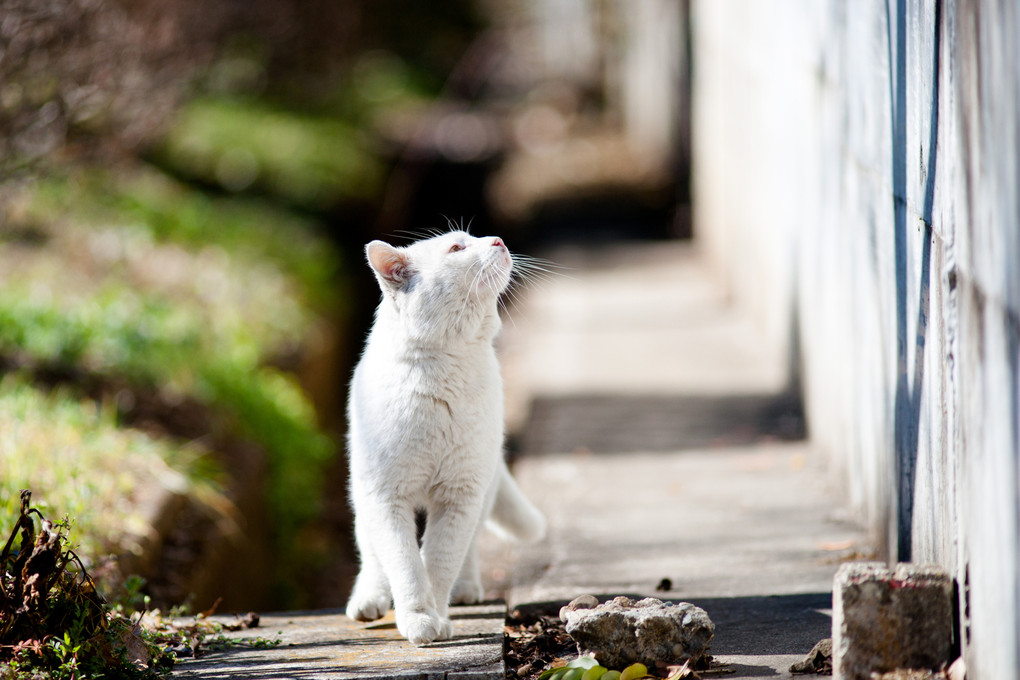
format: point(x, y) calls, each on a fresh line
point(456, 247)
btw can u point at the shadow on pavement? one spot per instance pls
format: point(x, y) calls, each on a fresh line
point(744, 626)
point(613, 424)
point(771, 624)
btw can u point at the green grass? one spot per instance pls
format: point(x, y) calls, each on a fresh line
point(81, 465)
point(131, 277)
point(213, 353)
point(250, 233)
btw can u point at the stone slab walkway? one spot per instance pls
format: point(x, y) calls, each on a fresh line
point(326, 645)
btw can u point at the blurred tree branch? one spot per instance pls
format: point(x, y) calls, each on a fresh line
point(106, 75)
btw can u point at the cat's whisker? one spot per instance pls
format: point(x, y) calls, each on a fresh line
point(512, 298)
point(528, 274)
point(506, 312)
point(532, 266)
point(540, 263)
point(525, 278)
point(409, 234)
point(539, 260)
point(528, 278)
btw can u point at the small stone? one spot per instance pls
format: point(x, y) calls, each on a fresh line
point(818, 661)
point(579, 602)
point(655, 633)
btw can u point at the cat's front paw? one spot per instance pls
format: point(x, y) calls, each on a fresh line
point(422, 628)
point(467, 592)
point(362, 607)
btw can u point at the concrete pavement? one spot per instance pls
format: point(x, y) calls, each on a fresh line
point(658, 436)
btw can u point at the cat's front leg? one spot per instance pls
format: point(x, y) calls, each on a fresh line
point(423, 627)
point(370, 599)
point(467, 589)
point(395, 539)
point(448, 552)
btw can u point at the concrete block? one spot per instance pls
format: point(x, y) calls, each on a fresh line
point(886, 618)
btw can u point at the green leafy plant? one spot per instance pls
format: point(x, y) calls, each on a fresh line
point(586, 667)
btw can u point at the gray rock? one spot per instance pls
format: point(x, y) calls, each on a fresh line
point(622, 631)
point(818, 661)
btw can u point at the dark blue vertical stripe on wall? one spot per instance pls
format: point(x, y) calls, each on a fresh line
point(907, 406)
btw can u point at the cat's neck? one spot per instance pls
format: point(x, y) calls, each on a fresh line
point(466, 330)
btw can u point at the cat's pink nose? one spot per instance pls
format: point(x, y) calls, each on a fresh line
point(498, 242)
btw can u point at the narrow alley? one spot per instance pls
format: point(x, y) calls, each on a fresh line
point(657, 435)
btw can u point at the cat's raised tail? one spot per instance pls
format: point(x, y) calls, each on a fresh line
point(513, 517)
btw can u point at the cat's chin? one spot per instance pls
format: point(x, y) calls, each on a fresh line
point(494, 281)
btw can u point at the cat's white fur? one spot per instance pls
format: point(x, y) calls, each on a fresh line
point(426, 432)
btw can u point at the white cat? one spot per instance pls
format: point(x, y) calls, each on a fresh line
point(426, 432)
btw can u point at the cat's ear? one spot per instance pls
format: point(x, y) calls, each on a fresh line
point(390, 264)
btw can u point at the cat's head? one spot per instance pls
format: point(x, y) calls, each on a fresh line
point(443, 278)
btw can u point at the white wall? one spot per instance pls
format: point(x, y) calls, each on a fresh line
point(653, 75)
point(856, 180)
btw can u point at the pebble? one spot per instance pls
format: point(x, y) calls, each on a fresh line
point(579, 602)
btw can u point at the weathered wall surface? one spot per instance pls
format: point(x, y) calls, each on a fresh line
point(856, 179)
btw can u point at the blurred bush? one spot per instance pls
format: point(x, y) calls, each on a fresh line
point(312, 162)
point(107, 76)
point(135, 291)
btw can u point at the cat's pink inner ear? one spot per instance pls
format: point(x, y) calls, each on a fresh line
point(389, 262)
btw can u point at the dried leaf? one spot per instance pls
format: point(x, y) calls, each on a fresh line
point(135, 647)
point(677, 672)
